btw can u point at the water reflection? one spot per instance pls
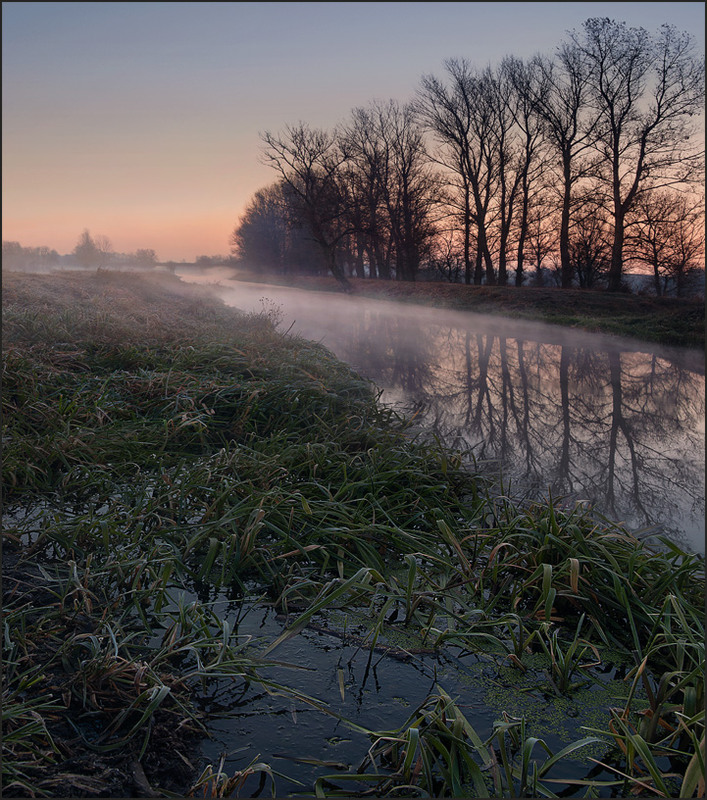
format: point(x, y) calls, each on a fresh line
point(622, 430)
point(611, 422)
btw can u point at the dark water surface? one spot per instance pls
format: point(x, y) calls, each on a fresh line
point(353, 688)
point(613, 422)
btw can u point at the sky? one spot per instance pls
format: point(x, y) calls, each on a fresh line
point(142, 121)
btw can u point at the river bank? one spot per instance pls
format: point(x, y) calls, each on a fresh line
point(664, 320)
point(163, 453)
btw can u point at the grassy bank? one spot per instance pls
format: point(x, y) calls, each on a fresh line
point(664, 320)
point(159, 447)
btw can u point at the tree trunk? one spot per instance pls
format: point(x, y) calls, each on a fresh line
point(467, 237)
point(335, 269)
point(502, 273)
point(520, 258)
point(617, 254)
point(478, 269)
point(360, 269)
point(488, 263)
point(566, 266)
point(656, 280)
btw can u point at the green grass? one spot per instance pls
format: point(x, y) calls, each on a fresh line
point(156, 441)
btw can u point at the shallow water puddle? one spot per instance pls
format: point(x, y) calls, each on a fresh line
point(356, 688)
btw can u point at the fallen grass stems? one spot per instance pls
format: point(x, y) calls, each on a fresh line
point(155, 442)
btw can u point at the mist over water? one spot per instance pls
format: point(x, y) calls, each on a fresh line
point(616, 423)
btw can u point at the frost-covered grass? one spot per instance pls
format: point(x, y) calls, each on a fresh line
point(155, 440)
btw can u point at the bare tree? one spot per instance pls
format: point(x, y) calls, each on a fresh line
point(523, 82)
point(366, 151)
point(309, 162)
point(541, 238)
point(461, 118)
point(86, 251)
point(447, 257)
point(270, 235)
point(408, 187)
point(16, 257)
point(104, 250)
point(93, 251)
point(590, 245)
point(259, 239)
point(667, 235)
point(509, 158)
point(559, 97)
point(146, 257)
point(646, 90)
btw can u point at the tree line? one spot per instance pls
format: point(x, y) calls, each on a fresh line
point(90, 252)
point(582, 163)
point(94, 252)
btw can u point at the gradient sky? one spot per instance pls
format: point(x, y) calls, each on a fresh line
point(141, 121)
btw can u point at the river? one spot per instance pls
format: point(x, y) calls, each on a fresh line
point(615, 423)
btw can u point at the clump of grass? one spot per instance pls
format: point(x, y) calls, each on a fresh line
point(438, 753)
point(218, 783)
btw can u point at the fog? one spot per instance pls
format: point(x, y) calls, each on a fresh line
point(616, 423)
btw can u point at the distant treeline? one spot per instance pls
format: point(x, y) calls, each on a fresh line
point(583, 165)
point(91, 252)
point(94, 252)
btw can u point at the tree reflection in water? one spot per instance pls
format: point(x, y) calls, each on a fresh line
point(618, 428)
